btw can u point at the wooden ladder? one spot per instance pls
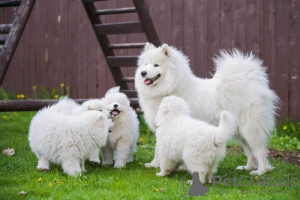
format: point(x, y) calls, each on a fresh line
point(145, 25)
point(10, 34)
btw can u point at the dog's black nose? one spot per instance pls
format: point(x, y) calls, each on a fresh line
point(143, 73)
point(116, 105)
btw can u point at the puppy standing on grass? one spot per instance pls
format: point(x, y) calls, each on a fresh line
point(66, 139)
point(121, 143)
point(184, 140)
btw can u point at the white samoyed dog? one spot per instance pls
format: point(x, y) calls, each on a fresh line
point(121, 143)
point(67, 139)
point(240, 85)
point(181, 139)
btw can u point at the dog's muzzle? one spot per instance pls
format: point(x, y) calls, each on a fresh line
point(150, 81)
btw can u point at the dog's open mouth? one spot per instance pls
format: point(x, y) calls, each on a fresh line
point(150, 81)
point(115, 112)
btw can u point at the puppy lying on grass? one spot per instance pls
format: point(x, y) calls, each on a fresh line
point(194, 143)
point(56, 135)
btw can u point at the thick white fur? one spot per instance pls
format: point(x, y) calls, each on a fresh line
point(65, 139)
point(240, 85)
point(182, 139)
point(121, 143)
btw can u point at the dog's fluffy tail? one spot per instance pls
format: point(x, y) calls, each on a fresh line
point(227, 128)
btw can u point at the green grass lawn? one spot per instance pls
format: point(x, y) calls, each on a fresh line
point(19, 173)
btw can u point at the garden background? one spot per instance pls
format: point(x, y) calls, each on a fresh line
point(59, 45)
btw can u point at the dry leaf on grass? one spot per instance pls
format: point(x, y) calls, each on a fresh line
point(22, 193)
point(8, 152)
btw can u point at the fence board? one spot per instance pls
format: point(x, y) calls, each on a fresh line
point(280, 71)
point(59, 44)
point(294, 55)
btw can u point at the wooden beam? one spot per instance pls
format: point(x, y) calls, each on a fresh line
point(130, 93)
point(119, 28)
point(128, 79)
point(4, 28)
point(28, 105)
point(116, 11)
point(146, 22)
point(10, 3)
point(2, 39)
point(37, 104)
point(122, 61)
point(14, 36)
point(127, 45)
point(91, 1)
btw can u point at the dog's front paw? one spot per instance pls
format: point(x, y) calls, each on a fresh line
point(149, 165)
point(95, 161)
point(119, 165)
point(107, 162)
point(258, 172)
point(42, 168)
point(241, 167)
point(161, 174)
point(74, 173)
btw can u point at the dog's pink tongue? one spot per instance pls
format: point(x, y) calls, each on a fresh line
point(147, 81)
point(115, 112)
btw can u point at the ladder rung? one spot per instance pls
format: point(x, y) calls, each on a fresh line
point(122, 61)
point(130, 93)
point(127, 45)
point(119, 28)
point(2, 39)
point(10, 3)
point(116, 11)
point(128, 79)
point(4, 28)
point(91, 1)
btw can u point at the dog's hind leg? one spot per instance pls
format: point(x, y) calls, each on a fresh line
point(82, 166)
point(107, 155)
point(251, 162)
point(257, 139)
point(155, 162)
point(72, 167)
point(166, 167)
point(94, 158)
point(43, 164)
point(123, 149)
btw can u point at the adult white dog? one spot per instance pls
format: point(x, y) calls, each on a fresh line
point(121, 143)
point(240, 85)
point(181, 139)
point(55, 136)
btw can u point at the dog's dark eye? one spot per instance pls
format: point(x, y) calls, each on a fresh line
point(156, 65)
point(101, 110)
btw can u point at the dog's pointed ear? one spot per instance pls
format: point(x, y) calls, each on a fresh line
point(148, 46)
point(91, 107)
point(166, 50)
point(113, 90)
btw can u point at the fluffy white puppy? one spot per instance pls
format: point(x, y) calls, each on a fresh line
point(121, 143)
point(181, 139)
point(65, 106)
point(93, 104)
point(66, 139)
point(240, 85)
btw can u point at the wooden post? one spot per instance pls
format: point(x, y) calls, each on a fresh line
point(14, 36)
